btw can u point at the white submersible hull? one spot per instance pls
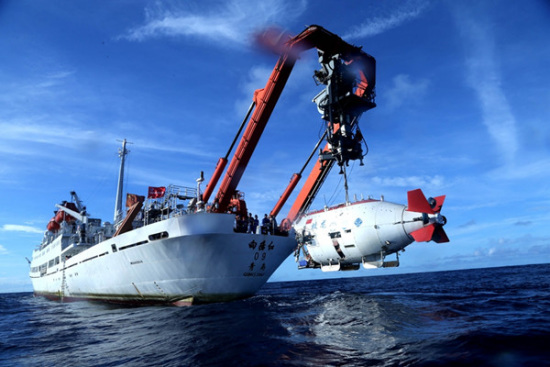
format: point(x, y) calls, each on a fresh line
point(364, 232)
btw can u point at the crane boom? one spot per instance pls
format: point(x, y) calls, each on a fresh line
point(338, 59)
point(265, 100)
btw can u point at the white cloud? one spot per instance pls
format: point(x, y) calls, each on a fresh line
point(410, 181)
point(532, 169)
point(228, 23)
point(3, 250)
point(503, 251)
point(34, 110)
point(405, 91)
point(483, 76)
point(35, 131)
point(377, 25)
point(256, 79)
point(38, 88)
point(21, 228)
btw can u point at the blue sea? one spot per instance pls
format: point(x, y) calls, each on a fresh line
point(481, 317)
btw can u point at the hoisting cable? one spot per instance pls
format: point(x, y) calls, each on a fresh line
point(252, 105)
point(346, 183)
point(223, 161)
point(313, 152)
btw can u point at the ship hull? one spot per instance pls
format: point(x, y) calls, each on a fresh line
point(190, 259)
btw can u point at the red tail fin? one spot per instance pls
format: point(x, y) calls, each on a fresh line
point(416, 202)
point(424, 234)
point(438, 203)
point(439, 235)
point(431, 232)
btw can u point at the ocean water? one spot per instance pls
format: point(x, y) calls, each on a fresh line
point(481, 317)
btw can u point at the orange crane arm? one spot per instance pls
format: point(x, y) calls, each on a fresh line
point(265, 100)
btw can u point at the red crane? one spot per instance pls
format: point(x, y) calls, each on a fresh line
point(348, 73)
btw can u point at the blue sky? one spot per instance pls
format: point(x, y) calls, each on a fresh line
point(462, 93)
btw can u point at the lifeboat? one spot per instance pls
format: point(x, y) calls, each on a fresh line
point(62, 216)
point(55, 223)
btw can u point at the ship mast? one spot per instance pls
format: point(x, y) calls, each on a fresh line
point(118, 201)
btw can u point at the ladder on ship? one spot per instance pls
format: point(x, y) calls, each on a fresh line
point(63, 281)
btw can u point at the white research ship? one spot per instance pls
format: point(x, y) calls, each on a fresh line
point(181, 248)
point(176, 253)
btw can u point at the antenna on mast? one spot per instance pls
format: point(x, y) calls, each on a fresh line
point(122, 152)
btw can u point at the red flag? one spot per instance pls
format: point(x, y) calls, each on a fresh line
point(156, 192)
